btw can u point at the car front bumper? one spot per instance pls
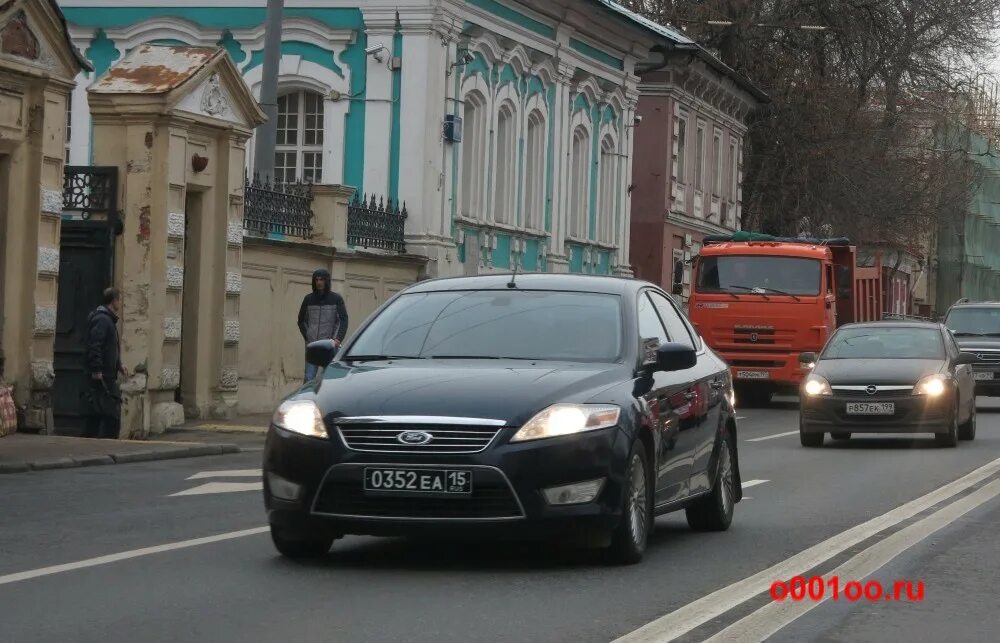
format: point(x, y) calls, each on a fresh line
point(913, 414)
point(507, 498)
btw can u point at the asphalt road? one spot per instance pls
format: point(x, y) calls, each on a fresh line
point(237, 589)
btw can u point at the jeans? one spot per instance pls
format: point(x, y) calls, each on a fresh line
point(103, 419)
point(311, 372)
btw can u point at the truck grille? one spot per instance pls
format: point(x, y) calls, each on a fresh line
point(404, 437)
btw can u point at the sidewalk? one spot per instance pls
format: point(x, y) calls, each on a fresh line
point(21, 452)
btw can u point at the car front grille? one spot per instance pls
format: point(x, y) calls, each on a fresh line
point(443, 438)
point(882, 394)
point(342, 494)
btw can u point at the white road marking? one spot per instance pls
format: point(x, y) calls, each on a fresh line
point(706, 608)
point(232, 473)
point(126, 555)
point(753, 483)
point(776, 435)
point(220, 487)
point(767, 620)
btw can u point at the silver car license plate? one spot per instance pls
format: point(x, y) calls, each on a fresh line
point(871, 408)
point(752, 375)
point(983, 376)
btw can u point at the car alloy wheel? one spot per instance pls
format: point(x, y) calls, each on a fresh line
point(638, 505)
point(714, 511)
point(628, 541)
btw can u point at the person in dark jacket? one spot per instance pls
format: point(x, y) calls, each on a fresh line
point(323, 315)
point(103, 366)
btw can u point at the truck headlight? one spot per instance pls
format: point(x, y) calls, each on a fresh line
point(300, 416)
point(567, 419)
point(931, 386)
point(816, 385)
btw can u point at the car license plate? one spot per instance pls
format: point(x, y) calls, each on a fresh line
point(449, 481)
point(752, 375)
point(871, 408)
point(984, 376)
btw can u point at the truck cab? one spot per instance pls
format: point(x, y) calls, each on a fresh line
point(760, 304)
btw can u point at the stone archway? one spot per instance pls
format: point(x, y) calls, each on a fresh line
point(176, 120)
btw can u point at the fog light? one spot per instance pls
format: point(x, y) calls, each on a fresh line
point(283, 489)
point(574, 494)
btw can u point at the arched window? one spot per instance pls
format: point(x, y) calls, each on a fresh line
point(607, 215)
point(298, 153)
point(534, 172)
point(579, 184)
point(474, 152)
point(506, 168)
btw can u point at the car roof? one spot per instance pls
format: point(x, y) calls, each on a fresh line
point(534, 281)
point(894, 324)
point(977, 304)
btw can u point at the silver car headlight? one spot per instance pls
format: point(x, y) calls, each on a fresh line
point(931, 386)
point(816, 385)
point(567, 419)
point(300, 416)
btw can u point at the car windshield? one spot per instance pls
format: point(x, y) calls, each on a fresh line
point(974, 321)
point(881, 343)
point(742, 274)
point(494, 324)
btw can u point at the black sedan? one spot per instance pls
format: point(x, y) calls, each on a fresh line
point(889, 377)
point(567, 407)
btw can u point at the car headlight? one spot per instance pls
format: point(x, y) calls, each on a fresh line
point(931, 386)
point(300, 416)
point(567, 419)
point(816, 385)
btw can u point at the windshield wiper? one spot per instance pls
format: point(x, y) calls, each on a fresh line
point(966, 334)
point(754, 289)
point(528, 359)
point(750, 289)
point(375, 358)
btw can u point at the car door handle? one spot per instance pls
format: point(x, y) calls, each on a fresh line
point(690, 395)
point(717, 384)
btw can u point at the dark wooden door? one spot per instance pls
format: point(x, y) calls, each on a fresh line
point(84, 262)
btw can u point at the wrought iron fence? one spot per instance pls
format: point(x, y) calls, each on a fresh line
point(277, 208)
point(376, 224)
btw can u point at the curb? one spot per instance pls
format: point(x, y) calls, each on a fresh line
point(193, 451)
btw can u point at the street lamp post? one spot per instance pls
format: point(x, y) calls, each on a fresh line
point(267, 133)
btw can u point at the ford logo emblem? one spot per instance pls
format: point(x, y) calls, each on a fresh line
point(414, 438)
point(871, 390)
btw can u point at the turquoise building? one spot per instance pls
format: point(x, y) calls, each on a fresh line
point(506, 126)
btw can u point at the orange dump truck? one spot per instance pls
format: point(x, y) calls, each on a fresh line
point(762, 301)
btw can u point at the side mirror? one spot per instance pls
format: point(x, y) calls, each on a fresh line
point(844, 286)
point(807, 359)
point(321, 353)
point(678, 289)
point(675, 357)
point(965, 358)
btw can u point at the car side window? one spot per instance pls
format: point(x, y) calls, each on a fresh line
point(649, 321)
point(677, 330)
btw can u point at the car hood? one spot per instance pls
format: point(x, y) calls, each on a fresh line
point(877, 371)
point(512, 390)
point(978, 344)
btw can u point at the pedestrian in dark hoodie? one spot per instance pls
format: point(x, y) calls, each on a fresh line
point(102, 363)
point(323, 315)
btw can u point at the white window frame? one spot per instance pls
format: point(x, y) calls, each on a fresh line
point(506, 163)
point(699, 168)
point(535, 168)
point(579, 186)
point(300, 148)
point(608, 175)
point(680, 167)
point(474, 153)
point(717, 183)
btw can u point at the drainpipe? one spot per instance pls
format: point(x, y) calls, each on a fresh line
point(267, 133)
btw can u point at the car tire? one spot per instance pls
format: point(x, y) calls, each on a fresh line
point(298, 546)
point(967, 431)
point(811, 440)
point(628, 542)
point(840, 436)
point(950, 438)
point(714, 512)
